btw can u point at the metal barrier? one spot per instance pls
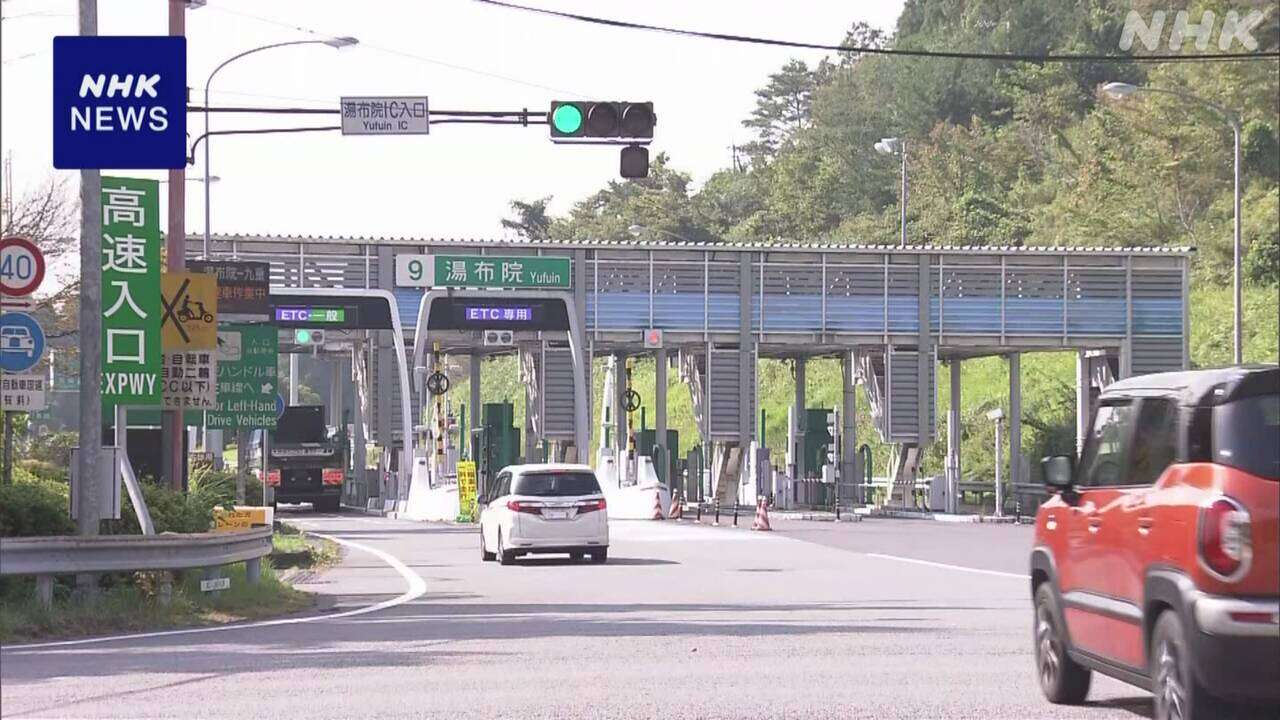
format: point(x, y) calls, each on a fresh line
point(46, 557)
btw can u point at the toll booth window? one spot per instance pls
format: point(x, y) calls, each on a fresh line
point(557, 485)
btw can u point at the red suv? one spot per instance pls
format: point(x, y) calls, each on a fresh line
point(1157, 561)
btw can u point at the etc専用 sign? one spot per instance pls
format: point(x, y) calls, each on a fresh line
point(131, 309)
point(119, 102)
point(482, 271)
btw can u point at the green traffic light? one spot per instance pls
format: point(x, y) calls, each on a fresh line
point(567, 119)
point(302, 337)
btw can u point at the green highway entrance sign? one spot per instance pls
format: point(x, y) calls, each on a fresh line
point(131, 313)
point(482, 271)
point(246, 378)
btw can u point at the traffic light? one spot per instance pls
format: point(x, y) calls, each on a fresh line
point(601, 119)
point(635, 162)
point(307, 336)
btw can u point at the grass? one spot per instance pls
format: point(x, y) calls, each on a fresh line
point(290, 549)
point(132, 606)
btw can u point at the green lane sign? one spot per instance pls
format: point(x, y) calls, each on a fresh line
point(131, 312)
point(483, 271)
point(247, 384)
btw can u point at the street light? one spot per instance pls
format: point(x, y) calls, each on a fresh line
point(1119, 91)
point(997, 416)
point(898, 146)
point(638, 230)
point(334, 42)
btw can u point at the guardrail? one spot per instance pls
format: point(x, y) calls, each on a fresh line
point(46, 557)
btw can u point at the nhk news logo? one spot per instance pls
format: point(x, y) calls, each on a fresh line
point(119, 102)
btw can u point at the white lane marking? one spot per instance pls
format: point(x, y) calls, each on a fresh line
point(417, 588)
point(948, 566)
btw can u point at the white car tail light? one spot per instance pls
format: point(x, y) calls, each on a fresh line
point(1225, 539)
point(524, 507)
point(591, 506)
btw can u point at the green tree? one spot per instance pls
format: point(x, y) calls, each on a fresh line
point(531, 219)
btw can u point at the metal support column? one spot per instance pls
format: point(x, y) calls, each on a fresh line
point(953, 440)
point(294, 372)
point(384, 383)
point(582, 435)
point(337, 386)
point(530, 437)
point(801, 418)
point(359, 457)
point(1015, 418)
point(620, 405)
point(473, 411)
point(746, 356)
point(1084, 396)
point(849, 427)
point(924, 357)
point(663, 463)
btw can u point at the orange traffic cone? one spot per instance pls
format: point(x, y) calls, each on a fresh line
point(762, 516)
point(657, 505)
point(677, 507)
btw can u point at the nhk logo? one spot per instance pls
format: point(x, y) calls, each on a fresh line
point(119, 102)
point(1233, 29)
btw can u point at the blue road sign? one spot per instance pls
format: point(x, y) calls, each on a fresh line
point(21, 342)
point(119, 102)
point(279, 406)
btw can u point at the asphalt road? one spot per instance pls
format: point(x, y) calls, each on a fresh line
point(879, 619)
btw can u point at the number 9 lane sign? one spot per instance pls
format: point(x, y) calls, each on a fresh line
point(21, 267)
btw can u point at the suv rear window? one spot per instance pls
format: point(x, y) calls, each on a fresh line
point(557, 484)
point(1245, 433)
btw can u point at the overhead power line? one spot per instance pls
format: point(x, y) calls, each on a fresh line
point(400, 53)
point(872, 50)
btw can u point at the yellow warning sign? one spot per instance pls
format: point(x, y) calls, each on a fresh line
point(189, 320)
point(467, 490)
point(242, 517)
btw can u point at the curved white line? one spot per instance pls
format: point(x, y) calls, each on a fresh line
point(948, 566)
point(417, 588)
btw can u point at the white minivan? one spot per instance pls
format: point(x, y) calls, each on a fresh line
point(545, 508)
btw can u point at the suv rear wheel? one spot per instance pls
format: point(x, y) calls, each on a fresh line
point(485, 555)
point(1062, 680)
point(505, 557)
point(1178, 695)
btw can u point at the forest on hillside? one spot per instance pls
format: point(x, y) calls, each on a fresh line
point(998, 154)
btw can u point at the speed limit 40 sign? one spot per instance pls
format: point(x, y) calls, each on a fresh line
point(21, 267)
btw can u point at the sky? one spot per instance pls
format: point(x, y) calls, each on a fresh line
point(456, 182)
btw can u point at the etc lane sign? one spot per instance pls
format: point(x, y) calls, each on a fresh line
point(119, 102)
point(131, 353)
point(482, 271)
point(402, 115)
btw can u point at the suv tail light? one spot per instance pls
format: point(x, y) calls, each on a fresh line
point(591, 506)
point(524, 507)
point(1225, 540)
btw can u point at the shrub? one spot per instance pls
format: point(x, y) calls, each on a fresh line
point(220, 486)
point(171, 511)
point(54, 448)
point(31, 506)
point(44, 469)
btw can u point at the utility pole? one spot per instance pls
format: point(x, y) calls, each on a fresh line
point(87, 518)
point(173, 457)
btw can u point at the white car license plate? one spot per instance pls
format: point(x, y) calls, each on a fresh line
point(555, 514)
